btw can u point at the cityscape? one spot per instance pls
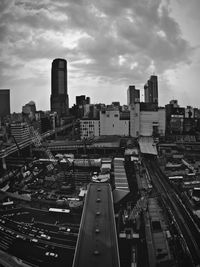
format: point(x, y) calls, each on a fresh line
point(99, 184)
point(99, 133)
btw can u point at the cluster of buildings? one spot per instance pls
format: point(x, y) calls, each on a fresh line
point(16, 124)
point(139, 118)
point(134, 119)
point(181, 120)
point(58, 182)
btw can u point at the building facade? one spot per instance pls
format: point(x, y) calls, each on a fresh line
point(29, 110)
point(182, 120)
point(59, 91)
point(151, 90)
point(89, 128)
point(112, 124)
point(135, 120)
point(147, 122)
point(81, 100)
point(4, 102)
point(20, 131)
point(133, 95)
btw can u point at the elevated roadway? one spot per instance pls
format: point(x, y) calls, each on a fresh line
point(97, 242)
point(13, 148)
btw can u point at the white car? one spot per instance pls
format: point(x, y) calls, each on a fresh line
point(34, 240)
point(51, 254)
point(21, 237)
point(45, 236)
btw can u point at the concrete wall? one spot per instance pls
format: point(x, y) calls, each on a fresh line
point(162, 121)
point(135, 120)
point(110, 123)
point(143, 122)
point(147, 120)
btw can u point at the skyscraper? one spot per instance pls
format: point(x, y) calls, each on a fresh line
point(4, 102)
point(151, 90)
point(133, 95)
point(80, 100)
point(59, 96)
point(20, 131)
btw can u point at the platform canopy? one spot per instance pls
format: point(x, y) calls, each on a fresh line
point(147, 145)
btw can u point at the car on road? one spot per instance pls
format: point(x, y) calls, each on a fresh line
point(21, 237)
point(62, 228)
point(34, 240)
point(9, 231)
point(45, 236)
point(51, 254)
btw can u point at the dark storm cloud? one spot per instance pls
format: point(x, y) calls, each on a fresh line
point(108, 40)
point(139, 31)
point(126, 28)
point(6, 5)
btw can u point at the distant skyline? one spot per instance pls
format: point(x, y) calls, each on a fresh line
point(108, 44)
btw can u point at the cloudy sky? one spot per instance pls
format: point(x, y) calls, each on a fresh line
point(109, 44)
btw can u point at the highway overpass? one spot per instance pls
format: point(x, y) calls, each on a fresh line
point(13, 148)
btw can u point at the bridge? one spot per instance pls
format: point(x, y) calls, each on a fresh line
point(93, 146)
point(13, 148)
point(97, 241)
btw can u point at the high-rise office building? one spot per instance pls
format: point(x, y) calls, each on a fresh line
point(4, 102)
point(151, 90)
point(29, 110)
point(59, 95)
point(82, 100)
point(20, 131)
point(133, 95)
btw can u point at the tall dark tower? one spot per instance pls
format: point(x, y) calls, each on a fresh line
point(59, 96)
point(133, 95)
point(4, 102)
point(151, 90)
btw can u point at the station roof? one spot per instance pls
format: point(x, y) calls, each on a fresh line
point(121, 182)
point(147, 145)
point(118, 195)
point(97, 241)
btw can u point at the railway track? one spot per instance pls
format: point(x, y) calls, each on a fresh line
point(187, 228)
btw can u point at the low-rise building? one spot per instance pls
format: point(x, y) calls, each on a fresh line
point(111, 123)
point(89, 128)
point(146, 122)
